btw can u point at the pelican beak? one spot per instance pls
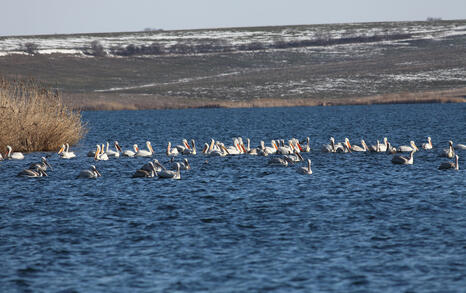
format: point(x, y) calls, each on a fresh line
point(186, 145)
point(299, 147)
point(348, 144)
point(151, 149)
point(61, 149)
point(118, 148)
point(244, 149)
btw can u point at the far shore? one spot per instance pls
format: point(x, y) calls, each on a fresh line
point(112, 101)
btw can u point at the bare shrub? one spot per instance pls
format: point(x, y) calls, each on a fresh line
point(30, 48)
point(34, 118)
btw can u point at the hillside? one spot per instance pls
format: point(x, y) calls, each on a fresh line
point(266, 66)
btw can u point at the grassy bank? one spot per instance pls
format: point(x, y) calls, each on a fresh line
point(113, 101)
point(34, 118)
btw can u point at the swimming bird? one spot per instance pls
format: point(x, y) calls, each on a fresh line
point(450, 165)
point(390, 149)
point(100, 155)
point(13, 155)
point(307, 146)
point(279, 161)
point(460, 146)
point(329, 148)
point(183, 165)
point(144, 173)
point(145, 153)
point(65, 153)
point(449, 152)
point(294, 158)
point(305, 170)
point(402, 160)
point(405, 148)
point(36, 172)
point(171, 152)
point(190, 150)
point(43, 164)
point(169, 174)
point(362, 148)
point(131, 153)
point(379, 147)
point(427, 145)
point(112, 153)
point(90, 173)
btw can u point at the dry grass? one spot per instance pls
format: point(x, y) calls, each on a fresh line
point(34, 118)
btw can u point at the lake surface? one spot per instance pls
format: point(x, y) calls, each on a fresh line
point(358, 223)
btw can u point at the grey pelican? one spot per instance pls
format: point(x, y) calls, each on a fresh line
point(43, 164)
point(145, 153)
point(450, 165)
point(90, 173)
point(169, 174)
point(390, 149)
point(405, 148)
point(402, 160)
point(143, 172)
point(305, 170)
point(37, 172)
point(450, 152)
point(279, 161)
point(427, 145)
point(13, 155)
point(294, 158)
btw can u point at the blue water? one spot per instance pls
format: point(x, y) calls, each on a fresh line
point(358, 223)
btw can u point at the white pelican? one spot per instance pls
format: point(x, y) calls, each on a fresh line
point(43, 164)
point(460, 146)
point(171, 152)
point(145, 153)
point(37, 172)
point(234, 149)
point(190, 150)
point(13, 155)
point(65, 153)
point(90, 173)
point(112, 153)
point(100, 155)
point(131, 153)
point(405, 148)
point(450, 152)
point(450, 165)
point(362, 148)
point(220, 151)
point(253, 151)
point(427, 145)
point(307, 147)
point(285, 149)
point(379, 147)
point(143, 172)
point(344, 147)
point(184, 146)
point(169, 174)
point(305, 170)
point(402, 160)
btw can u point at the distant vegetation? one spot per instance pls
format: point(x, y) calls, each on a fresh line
point(30, 48)
point(221, 46)
point(34, 118)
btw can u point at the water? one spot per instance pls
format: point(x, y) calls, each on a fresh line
point(359, 223)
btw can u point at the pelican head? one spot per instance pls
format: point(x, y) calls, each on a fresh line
point(94, 169)
point(62, 149)
point(347, 143)
point(414, 145)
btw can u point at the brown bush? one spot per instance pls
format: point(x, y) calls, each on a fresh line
point(34, 118)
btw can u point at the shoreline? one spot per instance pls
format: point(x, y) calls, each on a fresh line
point(113, 102)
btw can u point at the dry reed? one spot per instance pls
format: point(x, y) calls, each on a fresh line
point(34, 117)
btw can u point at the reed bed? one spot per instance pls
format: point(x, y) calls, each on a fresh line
point(34, 117)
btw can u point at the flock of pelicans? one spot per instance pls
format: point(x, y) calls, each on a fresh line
point(285, 154)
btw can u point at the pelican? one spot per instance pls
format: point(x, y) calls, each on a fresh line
point(145, 153)
point(428, 144)
point(450, 152)
point(344, 147)
point(329, 148)
point(112, 153)
point(38, 171)
point(285, 149)
point(277, 161)
point(450, 165)
point(183, 165)
point(390, 149)
point(362, 148)
point(43, 164)
point(65, 153)
point(234, 149)
point(460, 146)
point(379, 147)
point(402, 160)
point(404, 148)
point(171, 151)
point(184, 146)
point(143, 172)
point(131, 153)
point(168, 174)
point(221, 151)
point(90, 173)
point(253, 151)
point(13, 155)
point(190, 150)
point(100, 155)
point(307, 147)
point(305, 170)
point(294, 158)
